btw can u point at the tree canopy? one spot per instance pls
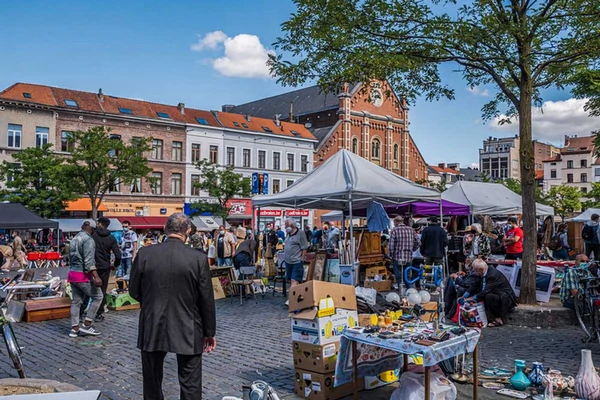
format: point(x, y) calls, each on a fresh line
point(521, 47)
point(36, 179)
point(99, 162)
point(565, 199)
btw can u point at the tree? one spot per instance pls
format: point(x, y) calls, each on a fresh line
point(565, 199)
point(519, 46)
point(593, 197)
point(100, 162)
point(222, 184)
point(440, 186)
point(513, 184)
point(35, 179)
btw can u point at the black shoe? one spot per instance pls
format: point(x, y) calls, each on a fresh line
point(99, 318)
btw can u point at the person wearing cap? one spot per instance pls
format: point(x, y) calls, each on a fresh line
point(84, 280)
point(513, 240)
point(434, 240)
point(106, 244)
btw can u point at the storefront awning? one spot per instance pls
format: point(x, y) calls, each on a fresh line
point(206, 224)
point(83, 204)
point(145, 222)
point(74, 224)
point(239, 216)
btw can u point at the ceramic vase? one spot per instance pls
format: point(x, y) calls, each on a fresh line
point(587, 382)
point(519, 380)
point(536, 376)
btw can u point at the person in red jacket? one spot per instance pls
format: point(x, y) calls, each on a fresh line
point(513, 241)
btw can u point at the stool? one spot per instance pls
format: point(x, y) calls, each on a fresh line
point(280, 277)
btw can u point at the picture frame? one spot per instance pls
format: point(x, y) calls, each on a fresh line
point(333, 272)
point(309, 272)
point(320, 266)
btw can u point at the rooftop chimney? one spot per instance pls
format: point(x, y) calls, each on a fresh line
point(227, 107)
point(181, 108)
point(100, 94)
point(291, 112)
point(277, 121)
point(442, 165)
point(247, 116)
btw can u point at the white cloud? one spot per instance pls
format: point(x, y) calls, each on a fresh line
point(474, 166)
point(244, 55)
point(555, 120)
point(209, 41)
point(478, 91)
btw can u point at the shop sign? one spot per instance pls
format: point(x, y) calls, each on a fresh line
point(120, 210)
point(163, 211)
point(239, 207)
point(270, 213)
point(297, 213)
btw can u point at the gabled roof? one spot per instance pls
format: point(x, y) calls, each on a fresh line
point(578, 145)
point(439, 170)
point(553, 159)
point(305, 101)
point(264, 125)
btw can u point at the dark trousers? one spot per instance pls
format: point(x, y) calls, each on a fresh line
point(189, 370)
point(513, 256)
point(104, 274)
point(593, 248)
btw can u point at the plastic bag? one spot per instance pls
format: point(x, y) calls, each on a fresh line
point(412, 387)
point(473, 315)
point(369, 294)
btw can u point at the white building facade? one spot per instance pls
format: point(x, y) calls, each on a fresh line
point(574, 166)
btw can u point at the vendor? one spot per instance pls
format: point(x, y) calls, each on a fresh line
point(479, 244)
point(496, 293)
point(570, 285)
point(462, 284)
point(245, 248)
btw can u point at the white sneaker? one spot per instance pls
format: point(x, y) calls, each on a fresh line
point(73, 333)
point(88, 330)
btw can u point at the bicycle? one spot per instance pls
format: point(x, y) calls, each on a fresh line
point(10, 339)
point(587, 305)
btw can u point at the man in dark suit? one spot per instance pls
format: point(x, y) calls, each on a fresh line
point(173, 284)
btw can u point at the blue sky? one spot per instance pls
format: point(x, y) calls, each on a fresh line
point(143, 49)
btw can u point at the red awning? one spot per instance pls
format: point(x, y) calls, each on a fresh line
point(145, 222)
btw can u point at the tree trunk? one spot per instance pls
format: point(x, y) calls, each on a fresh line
point(526, 158)
point(95, 205)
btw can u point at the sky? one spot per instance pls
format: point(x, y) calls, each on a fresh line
point(207, 53)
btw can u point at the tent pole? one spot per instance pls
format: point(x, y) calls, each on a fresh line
point(352, 249)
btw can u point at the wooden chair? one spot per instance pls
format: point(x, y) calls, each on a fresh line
point(245, 280)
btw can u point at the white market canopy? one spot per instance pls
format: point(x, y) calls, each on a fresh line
point(345, 177)
point(585, 216)
point(489, 199)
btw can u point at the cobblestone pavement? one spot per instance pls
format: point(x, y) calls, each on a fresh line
point(253, 343)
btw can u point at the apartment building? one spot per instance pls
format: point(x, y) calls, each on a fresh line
point(575, 165)
point(450, 173)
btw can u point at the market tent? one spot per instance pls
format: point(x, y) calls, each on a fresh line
point(585, 216)
point(347, 181)
point(207, 223)
point(16, 216)
point(74, 224)
point(489, 199)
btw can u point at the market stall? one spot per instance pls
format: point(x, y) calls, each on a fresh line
point(416, 208)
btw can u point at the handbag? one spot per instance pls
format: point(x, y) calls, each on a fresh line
point(473, 315)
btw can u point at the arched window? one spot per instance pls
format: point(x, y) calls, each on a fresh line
point(355, 145)
point(375, 149)
point(395, 152)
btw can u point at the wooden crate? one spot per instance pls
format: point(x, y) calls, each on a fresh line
point(380, 270)
point(47, 309)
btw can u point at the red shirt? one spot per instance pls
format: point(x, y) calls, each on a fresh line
point(518, 246)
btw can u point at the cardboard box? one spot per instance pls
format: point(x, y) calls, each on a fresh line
point(315, 386)
point(310, 294)
point(381, 286)
point(383, 379)
point(324, 330)
point(315, 358)
point(372, 271)
point(218, 291)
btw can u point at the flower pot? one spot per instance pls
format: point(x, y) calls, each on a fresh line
point(587, 382)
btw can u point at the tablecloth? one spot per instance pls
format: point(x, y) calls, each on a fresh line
point(377, 355)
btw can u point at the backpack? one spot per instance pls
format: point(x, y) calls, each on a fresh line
point(555, 243)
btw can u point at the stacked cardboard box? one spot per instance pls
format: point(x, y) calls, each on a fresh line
point(320, 311)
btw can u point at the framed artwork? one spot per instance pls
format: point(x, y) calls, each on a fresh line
point(310, 271)
point(333, 272)
point(320, 265)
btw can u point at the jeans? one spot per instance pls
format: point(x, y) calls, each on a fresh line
point(79, 292)
point(569, 303)
point(225, 262)
point(398, 272)
point(592, 248)
point(513, 256)
point(125, 267)
point(561, 254)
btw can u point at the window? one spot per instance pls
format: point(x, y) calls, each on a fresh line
point(245, 125)
point(246, 158)
point(195, 152)
point(41, 136)
point(584, 190)
point(157, 183)
point(304, 163)
point(163, 115)
point(231, 156)
point(355, 146)
point(202, 121)
point(235, 123)
point(124, 110)
point(290, 162)
point(583, 163)
point(597, 172)
point(570, 164)
point(136, 185)
point(157, 149)
point(570, 178)
point(395, 154)
point(267, 129)
point(262, 159)
point(176, 184)
point(214, 154)
point(66, 144)
point(15, 168)
point(289, 183)
point(276, 186)
point(27, 95)
point(195, 189)
point(176, 151)
point(552, 174)
point(14, 136)
point(295, 133)
point(114, 187)
point(136, 141)
point(114, 152)
point(583, 178)
point(375, 149)
point(276, 161)
point(416, 174)
point(71, 103)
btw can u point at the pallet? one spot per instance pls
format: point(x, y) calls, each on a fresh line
point(47, 309)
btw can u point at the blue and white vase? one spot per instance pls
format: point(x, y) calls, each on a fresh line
point(536, 376)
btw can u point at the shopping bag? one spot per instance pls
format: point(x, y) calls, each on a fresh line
point(473, 315)
point(456, 313)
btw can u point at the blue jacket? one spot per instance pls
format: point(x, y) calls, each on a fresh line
point(82, 253)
